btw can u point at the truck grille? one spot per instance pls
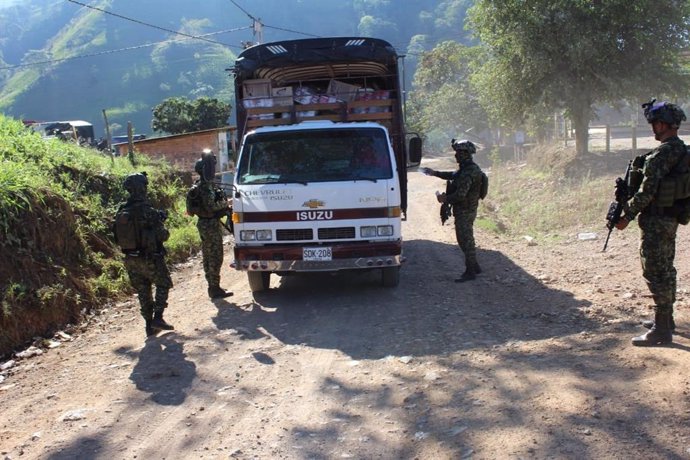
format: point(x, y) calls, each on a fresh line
point(340, 233)
point(294, 234)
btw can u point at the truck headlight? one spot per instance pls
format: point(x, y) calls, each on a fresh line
point(367, 232)
point(248, 235)
point(384, 230)
point(264, 235)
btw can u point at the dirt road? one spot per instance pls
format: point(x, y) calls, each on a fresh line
point(531, 360)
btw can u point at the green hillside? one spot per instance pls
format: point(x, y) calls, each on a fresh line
point(130, 60)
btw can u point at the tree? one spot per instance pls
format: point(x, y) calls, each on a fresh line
point(444, 103)
point(210, 113)
point(172, 116)
point(569, 55)
point(177, 115)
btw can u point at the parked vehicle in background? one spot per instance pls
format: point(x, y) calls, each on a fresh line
point(321, 178)
point(78, 131)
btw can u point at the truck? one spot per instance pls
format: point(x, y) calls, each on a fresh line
point(76, 130)
point(320, 182)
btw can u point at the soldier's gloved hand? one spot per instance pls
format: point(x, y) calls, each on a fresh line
point(622, 223)
point(441, 197)
point(427, 171)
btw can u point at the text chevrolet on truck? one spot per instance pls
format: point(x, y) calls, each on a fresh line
point(321, 175)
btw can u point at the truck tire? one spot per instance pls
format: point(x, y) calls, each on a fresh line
point(390, 276)
point(259, 281)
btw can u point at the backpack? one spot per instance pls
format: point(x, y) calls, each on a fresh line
point(134, 229)
point(484, 186)
point(193, 200)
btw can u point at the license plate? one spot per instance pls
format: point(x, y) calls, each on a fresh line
point(317, 254)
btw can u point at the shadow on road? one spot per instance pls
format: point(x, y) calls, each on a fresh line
point(508, 345)
point(163, 370)
point(427, 314)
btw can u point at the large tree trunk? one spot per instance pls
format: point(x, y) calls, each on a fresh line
point(581, 112)
point(581, 122)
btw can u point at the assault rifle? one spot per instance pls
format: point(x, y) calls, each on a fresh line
point(222, 190)
point(445, 212)
point(446, 208)
point(622, 195)
point(227, 213)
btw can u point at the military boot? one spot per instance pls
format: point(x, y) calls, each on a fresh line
point(469, 275)
point(659, 334)
point(159, 323)
point(650, 324)
point(477, 268)
point(149, 329)
point(217, 292)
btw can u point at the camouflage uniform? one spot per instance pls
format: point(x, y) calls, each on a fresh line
point(144, 272)
point(464, 197)
point(145, 256)
point(658, 228)
point(211, 231)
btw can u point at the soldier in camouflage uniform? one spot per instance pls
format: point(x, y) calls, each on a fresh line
point(213, 206)
point(146, 265)
point(463, 195)
point(658, 224)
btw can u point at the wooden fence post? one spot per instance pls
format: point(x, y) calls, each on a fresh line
point(108, 137)
point(130, 143)
point(608, 138)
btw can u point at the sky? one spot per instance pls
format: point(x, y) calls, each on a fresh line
point(6, 3)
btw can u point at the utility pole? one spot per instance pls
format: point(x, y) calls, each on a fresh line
point(258, 31)
point(108, 137)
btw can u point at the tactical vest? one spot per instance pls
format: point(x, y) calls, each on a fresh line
point(195, 205)
point(676, 185)
point(135, 228)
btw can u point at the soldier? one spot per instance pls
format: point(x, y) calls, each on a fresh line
point(658, 220)
point(139, 231)
point(464, 190)
point(210, 204)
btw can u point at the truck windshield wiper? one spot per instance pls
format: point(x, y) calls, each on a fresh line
point(372, 179)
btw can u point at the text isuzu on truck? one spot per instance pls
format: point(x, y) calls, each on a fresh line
point(321, 176)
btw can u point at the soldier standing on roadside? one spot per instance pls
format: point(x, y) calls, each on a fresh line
point(211, 205)
point(463, 193)
point(140, 233)
point(658, 219)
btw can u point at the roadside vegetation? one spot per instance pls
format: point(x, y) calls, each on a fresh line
point(552, 196)
point(57, 257)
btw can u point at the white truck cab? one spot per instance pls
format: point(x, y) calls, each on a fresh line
point(320, 181)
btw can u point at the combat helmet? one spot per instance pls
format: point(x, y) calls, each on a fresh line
point(136, 184)
point(664, 111)
point(463, 145)
point(206, 165)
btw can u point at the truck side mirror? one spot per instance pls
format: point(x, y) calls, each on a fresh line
point(414, 151)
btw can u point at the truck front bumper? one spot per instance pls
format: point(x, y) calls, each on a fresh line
point(352, 256)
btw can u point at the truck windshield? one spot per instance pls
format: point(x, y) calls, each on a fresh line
point(315, 156)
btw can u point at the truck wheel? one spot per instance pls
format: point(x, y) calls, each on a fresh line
point(259, 281)
point(390, 276)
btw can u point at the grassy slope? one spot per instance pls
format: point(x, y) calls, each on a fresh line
point(57, 258)
point(553, 196)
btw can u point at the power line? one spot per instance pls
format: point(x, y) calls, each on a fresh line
point(292, 31)
point(244, 11)
point(129, 48)
point(151, 25)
